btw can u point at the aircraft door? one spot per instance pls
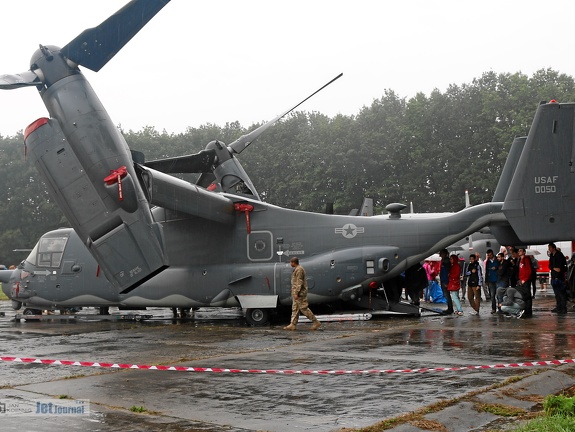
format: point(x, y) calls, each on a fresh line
point(285, 284)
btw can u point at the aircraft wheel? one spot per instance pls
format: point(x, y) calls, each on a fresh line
point(29, 311)
point(257, 316)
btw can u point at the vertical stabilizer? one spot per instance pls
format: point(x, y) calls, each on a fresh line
point(504, 233)
point(366, 207)
point(540, 202)
point(508, 171)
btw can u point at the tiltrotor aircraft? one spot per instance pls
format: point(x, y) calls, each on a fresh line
point(479, 242)
point(158, 240)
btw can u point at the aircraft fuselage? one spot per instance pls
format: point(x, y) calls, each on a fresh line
point(214, 264)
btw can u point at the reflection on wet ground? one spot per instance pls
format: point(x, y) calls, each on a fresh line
point(214, 402)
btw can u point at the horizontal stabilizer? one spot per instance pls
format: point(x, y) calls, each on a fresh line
point(540, 202)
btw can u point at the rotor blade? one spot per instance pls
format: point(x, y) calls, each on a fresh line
point(206, 179)
point(242, 142)
point(24, 79)
point(94, 47)
point(200, 162)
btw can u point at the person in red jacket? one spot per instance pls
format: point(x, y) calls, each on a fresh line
point(524, 267)
point(454, 283)
point(524, 274)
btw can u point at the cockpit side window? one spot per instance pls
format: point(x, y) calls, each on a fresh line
point(50, 251)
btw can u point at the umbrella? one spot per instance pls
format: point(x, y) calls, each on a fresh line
point(434, 257)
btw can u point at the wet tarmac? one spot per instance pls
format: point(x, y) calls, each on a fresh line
point(196, 401)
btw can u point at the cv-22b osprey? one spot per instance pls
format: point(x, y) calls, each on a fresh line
point(162, 241)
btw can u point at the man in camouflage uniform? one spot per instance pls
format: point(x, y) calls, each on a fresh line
point(299, 297)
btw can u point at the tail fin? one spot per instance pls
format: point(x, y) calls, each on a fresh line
point(504, 233)
point(366, 207)
point(509, 169)
point(540, 202)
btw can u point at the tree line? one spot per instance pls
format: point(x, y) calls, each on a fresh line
point(426, 150)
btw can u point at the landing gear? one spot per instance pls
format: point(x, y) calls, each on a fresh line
point(257, 316)
point(30, 312)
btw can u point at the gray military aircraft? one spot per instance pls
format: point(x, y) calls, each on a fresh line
point(479, 242)
point(163, 241)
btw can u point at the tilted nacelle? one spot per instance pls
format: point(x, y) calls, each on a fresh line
point(101, 198)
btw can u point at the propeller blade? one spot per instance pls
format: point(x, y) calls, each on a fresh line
point(94, 47)
point(200, 162)
point(203, 161)
point(242, 142)
point(24, 79)
point(206, 179)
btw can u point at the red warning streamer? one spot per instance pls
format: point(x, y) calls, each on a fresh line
point(281, 371)
point(246, 208)
point(116, 176)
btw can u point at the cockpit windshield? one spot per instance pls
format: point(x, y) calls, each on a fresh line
point(48, 252)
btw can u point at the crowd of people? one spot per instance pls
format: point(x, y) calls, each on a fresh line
point(507, 280)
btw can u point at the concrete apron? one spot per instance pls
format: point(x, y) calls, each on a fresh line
point(208, 401)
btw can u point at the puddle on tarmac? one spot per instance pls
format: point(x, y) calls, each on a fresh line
point(210, 401)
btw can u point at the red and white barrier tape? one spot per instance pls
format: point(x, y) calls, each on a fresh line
point(280, 371)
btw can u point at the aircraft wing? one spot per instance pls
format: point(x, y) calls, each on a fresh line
point(175, 194)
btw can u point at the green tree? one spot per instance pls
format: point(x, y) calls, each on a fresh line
point(427, 150)
point(27, 211)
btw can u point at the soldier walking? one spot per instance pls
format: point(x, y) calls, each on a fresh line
point(299, 297)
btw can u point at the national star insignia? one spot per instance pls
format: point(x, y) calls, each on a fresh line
point(349, 230)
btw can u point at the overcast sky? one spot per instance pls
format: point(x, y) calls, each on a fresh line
point(220, 61)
